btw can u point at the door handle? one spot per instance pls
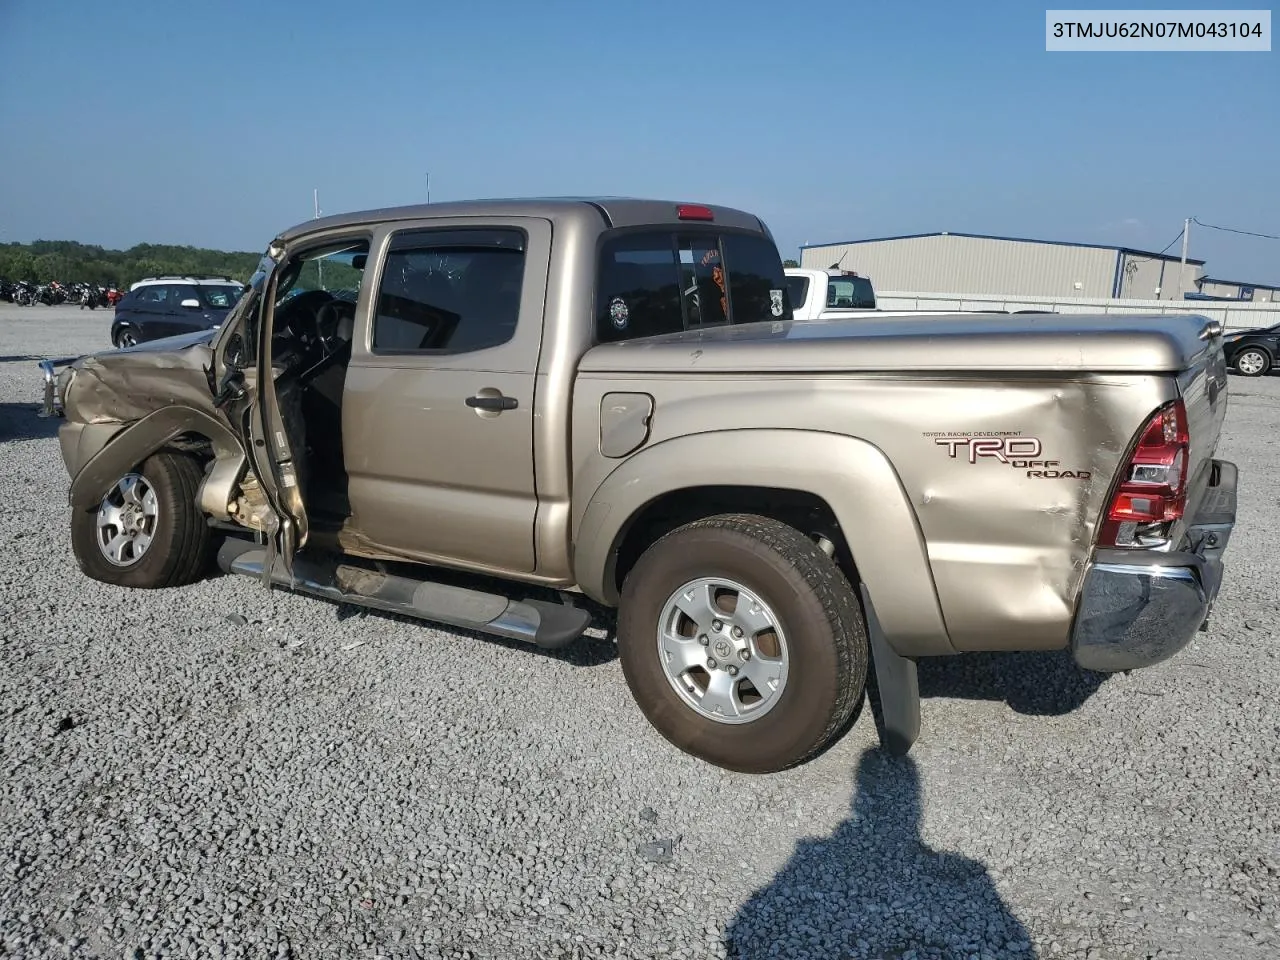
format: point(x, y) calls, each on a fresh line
point(496, 404)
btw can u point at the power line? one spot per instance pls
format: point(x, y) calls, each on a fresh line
point(1162, 252)
point(1247, 233)
point(1174, 241)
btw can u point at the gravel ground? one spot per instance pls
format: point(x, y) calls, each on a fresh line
point(316, 782)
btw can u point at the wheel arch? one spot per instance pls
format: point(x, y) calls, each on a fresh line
point(176, 427)
point(828, 480)
point(119, 326)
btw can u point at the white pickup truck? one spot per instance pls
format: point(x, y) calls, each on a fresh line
point(834, 294)
point(828, 294)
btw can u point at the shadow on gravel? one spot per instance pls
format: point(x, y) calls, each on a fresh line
point(1047, 683)
point(21, 358)
point(18, 421)
point(875, 889)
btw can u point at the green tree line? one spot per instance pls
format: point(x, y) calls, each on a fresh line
point(70, 262)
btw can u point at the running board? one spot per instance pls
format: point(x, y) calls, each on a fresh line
point(550, 626)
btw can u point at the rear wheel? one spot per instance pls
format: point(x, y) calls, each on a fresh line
point(147, 531)
point(742, 642)
point(1252, 362)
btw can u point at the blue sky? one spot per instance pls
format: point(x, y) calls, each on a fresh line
point(210, 124)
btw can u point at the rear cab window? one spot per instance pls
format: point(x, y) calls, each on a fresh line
point(850, 292)
point(663, 281)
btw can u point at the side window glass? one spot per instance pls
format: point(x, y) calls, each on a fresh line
point(797, 290)
point(638, 288)
point(185, 293)
point(450, 291)
point(758, 286)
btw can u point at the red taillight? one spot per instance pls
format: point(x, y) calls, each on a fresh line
point(690, 211)
point(1152, 484)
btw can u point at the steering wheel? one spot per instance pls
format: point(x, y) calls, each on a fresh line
point(328, 323)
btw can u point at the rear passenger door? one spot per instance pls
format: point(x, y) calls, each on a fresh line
point(150, 311)
point(187, 310)
point(437, 414)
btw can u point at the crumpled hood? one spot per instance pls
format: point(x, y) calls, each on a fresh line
point(169, 344)
point(120, 386)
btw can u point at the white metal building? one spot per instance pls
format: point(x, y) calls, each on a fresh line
point(1239, 290)
point(972, 263)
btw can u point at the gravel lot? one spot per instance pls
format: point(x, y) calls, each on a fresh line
point(316, 782)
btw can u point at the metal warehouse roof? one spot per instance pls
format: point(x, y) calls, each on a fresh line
point(1240, 283)
point(987, 236)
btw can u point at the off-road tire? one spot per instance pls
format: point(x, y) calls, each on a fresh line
point(180, 548)
point(816, 608)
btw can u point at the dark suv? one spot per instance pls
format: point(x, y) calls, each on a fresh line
point(171, 306)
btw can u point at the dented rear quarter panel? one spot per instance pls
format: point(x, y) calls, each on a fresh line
point(1006, 549)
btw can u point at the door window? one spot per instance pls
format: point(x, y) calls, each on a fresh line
point(449, 291)
point(153, 297)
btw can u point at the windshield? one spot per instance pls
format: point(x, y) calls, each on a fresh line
point(247, 302)
point(336, 269)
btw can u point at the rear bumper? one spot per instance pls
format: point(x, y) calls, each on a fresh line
point(1139, 608)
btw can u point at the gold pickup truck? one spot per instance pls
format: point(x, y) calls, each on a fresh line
point(503, 415)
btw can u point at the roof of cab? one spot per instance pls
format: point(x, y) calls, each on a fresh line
point(608, 212)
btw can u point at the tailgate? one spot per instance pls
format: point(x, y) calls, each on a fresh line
point(1203, 387)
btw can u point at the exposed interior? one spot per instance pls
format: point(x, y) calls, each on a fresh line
point(312, 328)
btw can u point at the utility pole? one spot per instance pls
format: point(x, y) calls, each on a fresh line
point(315, 201)
point(1182, 271)
point(428, 188)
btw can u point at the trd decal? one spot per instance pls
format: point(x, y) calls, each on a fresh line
point(1020, 453)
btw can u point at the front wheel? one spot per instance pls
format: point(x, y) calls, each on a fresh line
point(1252, 362)
point(126, 338)
point(147, 531)
point(742, 642)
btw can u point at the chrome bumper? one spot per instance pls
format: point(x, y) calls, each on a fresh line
point(52, 401)
point(1139, 608)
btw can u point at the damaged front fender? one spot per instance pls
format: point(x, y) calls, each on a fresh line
point(123, 405)
point(135, 443)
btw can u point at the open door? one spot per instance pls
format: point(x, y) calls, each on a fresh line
point(303, 297)
point(240, 367)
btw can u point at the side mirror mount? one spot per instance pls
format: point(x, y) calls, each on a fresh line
point(231, 388)
point(191, 304)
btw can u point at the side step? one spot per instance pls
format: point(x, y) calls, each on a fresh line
point(551, 626)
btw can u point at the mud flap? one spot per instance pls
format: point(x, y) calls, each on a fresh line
point(898, 716)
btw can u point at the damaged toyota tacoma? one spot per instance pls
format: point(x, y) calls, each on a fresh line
point(510, 416)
